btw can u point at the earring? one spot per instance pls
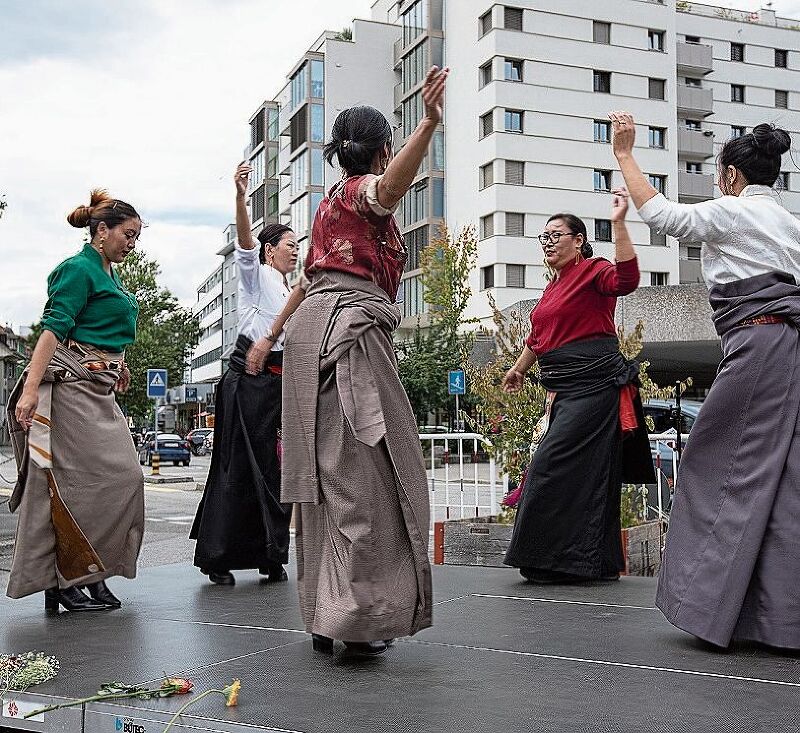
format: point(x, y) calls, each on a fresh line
point(577, 256)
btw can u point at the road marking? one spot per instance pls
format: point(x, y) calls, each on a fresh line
point(232, 626)
point(607, 663)
point(554, 600)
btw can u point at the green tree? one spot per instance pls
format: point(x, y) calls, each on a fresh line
point(425, 359)
point(166, 332)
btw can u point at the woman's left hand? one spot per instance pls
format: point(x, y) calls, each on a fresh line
point(124, 381)
point(623, 129)
point(257, 355)
point(619, 203)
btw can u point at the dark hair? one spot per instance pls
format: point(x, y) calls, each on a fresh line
point(270, 236)
point(576, 226)
point(757, 154)
point(102, 208)
point(359, 133)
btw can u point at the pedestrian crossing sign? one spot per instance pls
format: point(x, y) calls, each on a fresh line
point(156, 383)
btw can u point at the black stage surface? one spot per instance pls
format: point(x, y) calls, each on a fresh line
point(502, 656)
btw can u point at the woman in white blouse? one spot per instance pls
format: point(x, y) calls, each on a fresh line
point(731, 562)
point(241, 523)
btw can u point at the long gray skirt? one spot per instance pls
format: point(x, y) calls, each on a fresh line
point(732, 560)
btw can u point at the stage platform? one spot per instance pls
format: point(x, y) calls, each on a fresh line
point(502, 656)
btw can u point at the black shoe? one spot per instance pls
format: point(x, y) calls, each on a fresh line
point(274, 573)
point(323, 644)
point(366, 648)
point(609, 577)
point(539, 576)
point(101, 593)
point(223, 577)
point(73, 599)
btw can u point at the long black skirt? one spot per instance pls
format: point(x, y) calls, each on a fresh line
point(240, 522)
point(569, 515)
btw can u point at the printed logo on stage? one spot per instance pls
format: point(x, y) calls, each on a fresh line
point(129, 725)
point(18, 708)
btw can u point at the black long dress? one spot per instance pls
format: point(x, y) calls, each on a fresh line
point(569, 515)
point(240, 522)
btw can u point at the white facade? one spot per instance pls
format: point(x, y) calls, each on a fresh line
point(208, 309)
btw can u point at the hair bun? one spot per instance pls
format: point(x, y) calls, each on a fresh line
point(81, 217)
point(771, 140)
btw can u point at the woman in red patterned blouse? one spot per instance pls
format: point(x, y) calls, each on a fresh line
point(351, 457)
point(568, 522)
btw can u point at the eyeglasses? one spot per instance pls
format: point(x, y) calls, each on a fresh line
point(553, 237)
point(131, 234)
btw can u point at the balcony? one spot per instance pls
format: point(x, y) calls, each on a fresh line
point(398, 96)
point(398, 52)
point(695, 58)
point(695, 101)
point(695, 145)
point(694, 187)
point(690, 271)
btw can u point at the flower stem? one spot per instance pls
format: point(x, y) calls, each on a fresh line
point(93, 698)
point(187, 704)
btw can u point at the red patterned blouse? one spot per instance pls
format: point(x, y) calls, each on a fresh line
point(353, 233)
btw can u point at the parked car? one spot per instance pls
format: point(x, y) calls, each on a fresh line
point(198, 440)
point(171, 447)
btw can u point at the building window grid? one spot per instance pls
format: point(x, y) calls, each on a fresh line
point(486, 176)
point(693, 253)
point(781, 99)
point(601, 32)
point(783, 181)
point(602, 230)
point(737, 93)
point(602, 81)
point(659, 278)
point(515, 276)
point(515, 172)
point(414, 22)
point(415, 67)
point(413, 109)
point(781, 58)
point(658, 182)
point(487, 277)
point(487, 226)
point(602, 131)
point(299, 86)
point(737, 52)
point(512, 18)
point(602, 180)
point(737, 131)
point(487, 124)
point(317, 78)
point(655, 40)
point(485, 73)
point(514, 120)
point(656, 88)
point(512, 69)
point(694, 168)
point(515, 224)
point(485, 22)
point(657, 137)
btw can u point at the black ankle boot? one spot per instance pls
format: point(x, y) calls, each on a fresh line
point(73, 599)
point(223, 577)
point(274, 573)
point(366, 648)
point(101, 593)
point(323, 644)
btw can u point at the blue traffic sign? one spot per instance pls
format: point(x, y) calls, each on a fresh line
point(456, 384)
point(156, 383)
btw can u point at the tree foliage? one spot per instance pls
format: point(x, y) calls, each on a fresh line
point(425, 359)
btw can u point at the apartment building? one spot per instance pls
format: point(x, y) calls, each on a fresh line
point(14, 353)
point(206, 365)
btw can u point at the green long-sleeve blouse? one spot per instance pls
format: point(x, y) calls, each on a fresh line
point(87, 304)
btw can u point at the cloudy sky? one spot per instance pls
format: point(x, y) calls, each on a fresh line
point(150, 99)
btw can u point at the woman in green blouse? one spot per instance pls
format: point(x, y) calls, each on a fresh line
point(80, 491)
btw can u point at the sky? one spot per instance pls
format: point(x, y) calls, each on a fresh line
point(149, 99)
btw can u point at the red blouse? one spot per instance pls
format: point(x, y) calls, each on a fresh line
point(580, 304)
point(353, 233)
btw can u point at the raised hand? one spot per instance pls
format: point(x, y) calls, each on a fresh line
point(623, 133)
point(513, 381)
point(241, 177)
point(619, 203)
point(433, 93)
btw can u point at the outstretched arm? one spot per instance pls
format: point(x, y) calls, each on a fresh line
point(404, 166)
point(622, 139)
point(259, 350)
point(514, 378)
point(243, 234)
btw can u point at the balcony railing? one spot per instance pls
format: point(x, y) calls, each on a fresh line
point(695, 101)
point(694, 144)
point(695, 58)
point(695, 186)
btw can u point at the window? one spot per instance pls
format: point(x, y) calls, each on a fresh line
point(487, 124)
point(512, 70)
point(317, 168)
point(299, 87)
point(601, 32)
point(273, 120)
point(485, 23)
point(225, 307)
point(316, 200)
point(515, 276)
point(737, 52)
point(515, 172)
point(317, 123)
point(602, 131)
point(437, 200)
point(659, 278)
point(737, 93)
point(602, 81)
point(299, 216)
point(783, 180)
point(487, 226)
point(486, 177)
point(257, 130)
point(486, 74)
point(317, 78)
point(656, 88)
point(515, 224)
point(658, 240)
point(602, 230)
point(437, 151)
point(512, 19)
point(415, 241)
point(694, 167)
point(659, 183)
point(299, 173)
point(415, 66)
point(225, 274)
point(487, 277)
point(655, 40)
point(781, 99)
point(781, 58)
point(693, 125)
point(513, 120)
point(657, 136)
point(414, 22)
point(690, 81)
point(298, 128)
point(693, 253)
point(257, 204)
point(415, 204)
point(272, 161)
point(736, 131)
point(692, 39)
point(602, 180)
point(412, 113)
point(272, 201)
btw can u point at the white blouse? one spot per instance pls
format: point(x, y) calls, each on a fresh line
point(262, 295)
point(742, 236)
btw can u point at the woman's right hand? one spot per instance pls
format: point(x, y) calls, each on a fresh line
point(433, 93)
point(257, 355)
point(26, 407)
point(241, 177)
point(513, 381)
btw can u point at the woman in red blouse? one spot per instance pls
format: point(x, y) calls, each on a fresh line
point(351, 457)
point(568, 521)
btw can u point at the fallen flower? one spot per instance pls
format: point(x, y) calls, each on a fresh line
point(230, 693)
point(18, 672)
point(178, 685)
